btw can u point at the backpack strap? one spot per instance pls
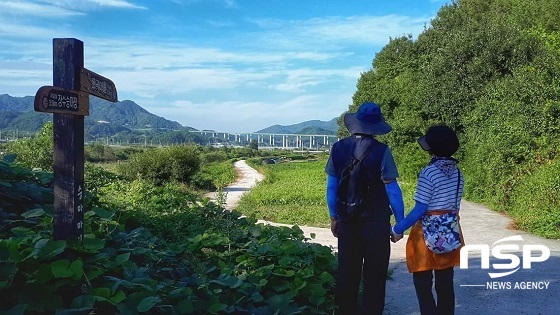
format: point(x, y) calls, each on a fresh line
point(363, 156)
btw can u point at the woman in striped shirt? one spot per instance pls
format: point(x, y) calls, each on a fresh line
point(439, 190)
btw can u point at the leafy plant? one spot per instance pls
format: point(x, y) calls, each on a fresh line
point(35, 152)
point(199, 259)
point(162, 165)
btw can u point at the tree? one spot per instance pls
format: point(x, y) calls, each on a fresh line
point(254, 145)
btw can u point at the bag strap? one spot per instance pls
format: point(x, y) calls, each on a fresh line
point(363, 156)
point(457, 202)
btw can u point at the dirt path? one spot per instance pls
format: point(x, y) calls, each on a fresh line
point(247, 178)
point(476, 293)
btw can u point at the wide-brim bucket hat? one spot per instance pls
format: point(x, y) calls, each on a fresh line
point(367, 120)
point(441, 140)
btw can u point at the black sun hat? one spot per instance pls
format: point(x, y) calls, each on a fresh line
point(441, 140)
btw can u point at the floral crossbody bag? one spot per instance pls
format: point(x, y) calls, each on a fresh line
point(441, 228)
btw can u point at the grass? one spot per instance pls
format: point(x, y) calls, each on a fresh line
point(294, 193)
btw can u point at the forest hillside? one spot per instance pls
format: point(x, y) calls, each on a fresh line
point(491, 70)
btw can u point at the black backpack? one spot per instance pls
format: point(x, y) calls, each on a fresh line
point(353, 188)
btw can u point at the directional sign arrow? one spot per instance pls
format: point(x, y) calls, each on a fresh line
point(98, 85)
point(50, 99)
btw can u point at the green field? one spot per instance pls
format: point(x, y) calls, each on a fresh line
point(294, 193)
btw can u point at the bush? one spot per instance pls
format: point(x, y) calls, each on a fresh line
point(35, 152)
point(162, 165)
point(96, 177)
point(513, 128)
point(215, 175)
point(125, 153)
point(535, 201)
point(212, 157)
point(96, 152)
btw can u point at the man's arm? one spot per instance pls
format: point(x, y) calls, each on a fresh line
point(332, 189)
point(395, 199)
point(389, 175)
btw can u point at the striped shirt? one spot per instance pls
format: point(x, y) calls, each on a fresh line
point(437, 190)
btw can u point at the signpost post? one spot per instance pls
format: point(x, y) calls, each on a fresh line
point(68, 100)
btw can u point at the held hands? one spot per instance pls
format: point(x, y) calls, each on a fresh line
point(334, 227)
point(394, 236)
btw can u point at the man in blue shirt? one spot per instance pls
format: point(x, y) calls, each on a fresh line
point(363, 242)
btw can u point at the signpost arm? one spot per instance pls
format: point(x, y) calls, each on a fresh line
point(68, 59)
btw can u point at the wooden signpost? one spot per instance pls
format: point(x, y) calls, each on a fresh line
point(97, 85)
point(68, 100)
point(52, 99)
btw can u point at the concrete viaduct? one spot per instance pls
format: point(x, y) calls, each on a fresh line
point(271, 140)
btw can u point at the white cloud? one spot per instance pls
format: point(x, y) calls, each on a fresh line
point(162, 55)
point(240, 83)
point(364, 29)
point(35, 9)
point(117, 4)
point(25, 78)
point(296, 80)
point(52, 9)
point(87, 5)
point(237, 116)
point(337, 32)
point(156, 82)
point(16, 30)
point(230, 4)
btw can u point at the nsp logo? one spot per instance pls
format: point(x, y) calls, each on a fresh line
point(499, 252)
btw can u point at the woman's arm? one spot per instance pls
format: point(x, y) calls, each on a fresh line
point(415, 214)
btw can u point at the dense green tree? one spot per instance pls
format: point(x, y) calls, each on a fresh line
point(514, 129)
point(490, 69)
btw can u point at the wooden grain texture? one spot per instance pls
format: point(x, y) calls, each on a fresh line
point(68, 59)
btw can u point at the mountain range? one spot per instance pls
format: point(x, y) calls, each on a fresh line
point(315, 127)
point(17, 113)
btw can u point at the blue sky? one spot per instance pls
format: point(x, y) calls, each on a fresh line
point(226, 65)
